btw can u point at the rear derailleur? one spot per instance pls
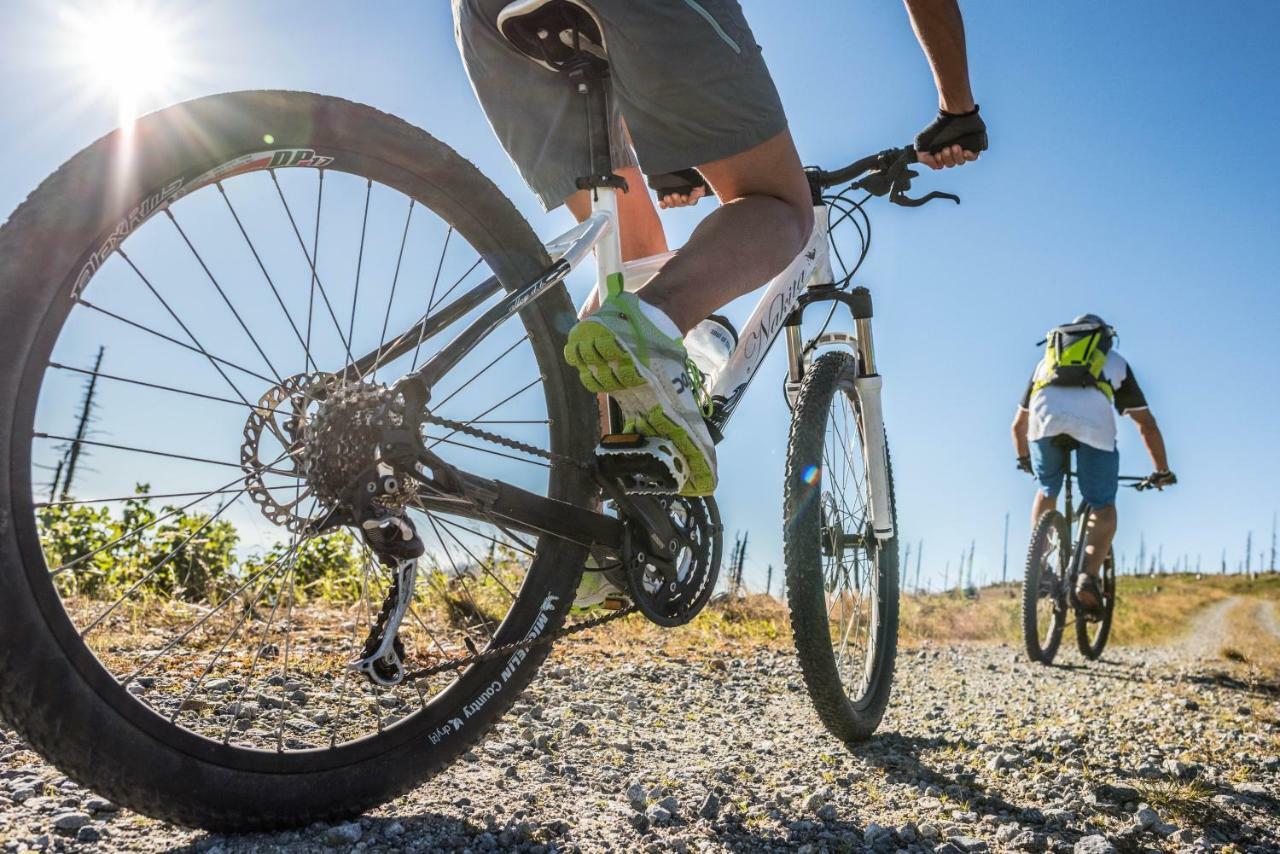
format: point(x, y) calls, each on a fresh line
point(391, 536)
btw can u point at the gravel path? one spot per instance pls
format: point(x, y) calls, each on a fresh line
point(1208, 631)
point(980, 751)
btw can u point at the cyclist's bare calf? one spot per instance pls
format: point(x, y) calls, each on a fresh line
point(1102, 529)
point(765, 218)
point(763, 223)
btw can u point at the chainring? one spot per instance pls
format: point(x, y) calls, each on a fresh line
point(697, 564)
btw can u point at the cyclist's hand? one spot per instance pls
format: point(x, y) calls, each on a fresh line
point(1024, 464)
point(681, 200)
point(1161, 479)
point(952, 140)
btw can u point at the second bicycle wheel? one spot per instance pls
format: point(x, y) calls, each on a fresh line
point(842, 582)
point(172, 634)
point(1044, 605)
point(1092, 634)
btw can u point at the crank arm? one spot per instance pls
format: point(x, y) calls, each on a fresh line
point(383, 665)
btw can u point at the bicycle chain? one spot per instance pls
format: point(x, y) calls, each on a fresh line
point(515, 646)
point(498, 439)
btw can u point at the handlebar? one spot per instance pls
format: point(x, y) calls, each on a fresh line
point(886, 173)
point(879, 162)
point(1142, 484)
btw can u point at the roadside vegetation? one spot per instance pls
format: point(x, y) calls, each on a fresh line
point(177, 556)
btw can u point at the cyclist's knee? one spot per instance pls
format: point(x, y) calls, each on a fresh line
point(771, 169)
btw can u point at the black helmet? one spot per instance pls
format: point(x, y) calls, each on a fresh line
point(1109, 332)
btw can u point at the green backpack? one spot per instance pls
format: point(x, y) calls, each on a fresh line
point(1074, 355)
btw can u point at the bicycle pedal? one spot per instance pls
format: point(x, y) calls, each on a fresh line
point(643, 465)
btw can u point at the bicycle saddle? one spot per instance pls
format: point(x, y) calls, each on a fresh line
point(559, 35)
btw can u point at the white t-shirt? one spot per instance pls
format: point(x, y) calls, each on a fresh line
point(1085, 414)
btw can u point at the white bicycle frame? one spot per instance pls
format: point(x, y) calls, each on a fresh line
point(782, 296)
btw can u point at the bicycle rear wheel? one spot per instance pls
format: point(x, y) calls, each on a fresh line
point(1092, 634)
point(1044, 606)
point(842, 582)
point(166, 615)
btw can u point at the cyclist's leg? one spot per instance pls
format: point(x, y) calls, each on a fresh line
point(640, 228)
point(764, 220)
point(1049, 462)
point(1099, 483)
point(715, 108)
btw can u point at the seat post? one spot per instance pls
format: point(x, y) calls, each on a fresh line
point(590, 81)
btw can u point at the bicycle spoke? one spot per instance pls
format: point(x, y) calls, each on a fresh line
point(160, 387)
point(213, 662)
point(155, 453)
point(355, 293)
point(227, 300)
point(431, 300)
point(164, 561)
point(214, 610)
point(217, 360)
point(262, 643)
point(460, 577)
point(194, 341)
point(386, 318)
point(497, 405)
point(487, 571)
point(317, 284)
point(136, 531)
point(263, 267)
point(481, 372)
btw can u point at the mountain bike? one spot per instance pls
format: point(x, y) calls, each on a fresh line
point(330, 341)
point(1054, 560)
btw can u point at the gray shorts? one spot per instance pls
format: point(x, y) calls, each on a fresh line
point(688, 79)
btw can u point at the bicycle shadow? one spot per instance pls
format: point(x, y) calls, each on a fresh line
point(1213, 678)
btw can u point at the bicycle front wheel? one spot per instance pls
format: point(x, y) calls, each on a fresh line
point(172, 297)
point(1092, 633)
point(1044, 605)
point(842, 583)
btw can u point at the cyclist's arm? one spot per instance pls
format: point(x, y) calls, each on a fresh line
point(1021, 447)
point(940, 31)
point(1151, 436)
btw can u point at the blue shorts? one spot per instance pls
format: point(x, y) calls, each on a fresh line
point(1098, 472)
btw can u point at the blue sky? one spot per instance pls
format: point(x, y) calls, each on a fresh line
point(1128, 176)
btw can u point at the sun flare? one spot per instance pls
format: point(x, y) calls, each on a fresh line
point(127, 51)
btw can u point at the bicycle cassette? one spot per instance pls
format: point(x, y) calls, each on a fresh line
point(642, 465)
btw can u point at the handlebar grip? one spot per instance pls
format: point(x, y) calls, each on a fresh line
point(975, 142)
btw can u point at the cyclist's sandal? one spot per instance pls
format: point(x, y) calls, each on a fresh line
point(619, 351)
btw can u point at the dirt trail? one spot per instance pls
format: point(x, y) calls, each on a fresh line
point(1208, 630)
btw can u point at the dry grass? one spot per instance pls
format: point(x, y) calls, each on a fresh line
point(1149, 612)
point(991, 615)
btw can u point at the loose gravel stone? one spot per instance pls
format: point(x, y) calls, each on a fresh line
point(70, 822)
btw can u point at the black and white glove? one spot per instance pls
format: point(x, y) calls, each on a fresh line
point(966, 130)
point(1161, 479)
point(1024, 464)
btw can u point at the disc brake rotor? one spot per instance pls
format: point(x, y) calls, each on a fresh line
point(280, 413)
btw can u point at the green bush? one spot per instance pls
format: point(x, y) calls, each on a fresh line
point(171, 553)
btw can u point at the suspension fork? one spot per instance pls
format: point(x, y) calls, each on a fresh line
point(869, 384)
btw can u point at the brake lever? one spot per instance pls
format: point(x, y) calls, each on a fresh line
point(898, 197)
